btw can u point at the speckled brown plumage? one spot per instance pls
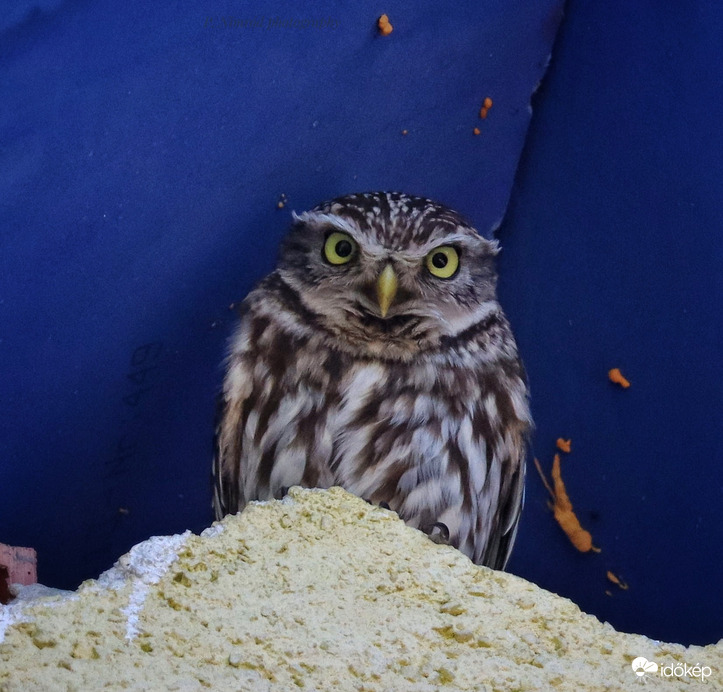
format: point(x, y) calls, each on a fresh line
point(423, 408)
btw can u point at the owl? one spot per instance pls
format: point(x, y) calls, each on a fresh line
point(376, 357)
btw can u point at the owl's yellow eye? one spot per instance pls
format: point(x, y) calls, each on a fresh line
point(443, 262)
point(339, 248)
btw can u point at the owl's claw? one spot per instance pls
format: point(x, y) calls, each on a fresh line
point(281, 492)
point(438, 533)
point(382, 504)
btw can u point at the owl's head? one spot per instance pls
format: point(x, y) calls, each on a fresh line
point(390, 273)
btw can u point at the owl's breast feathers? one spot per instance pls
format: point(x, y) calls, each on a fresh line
point(440, 438)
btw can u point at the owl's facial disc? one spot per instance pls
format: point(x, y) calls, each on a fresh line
point(387, 285)
point(388, 274)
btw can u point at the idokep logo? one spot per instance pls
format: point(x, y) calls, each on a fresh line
point(642, 667)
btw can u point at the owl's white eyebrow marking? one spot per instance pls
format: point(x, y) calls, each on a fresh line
point(436, 241)
point(447, 239)
point(316, 219)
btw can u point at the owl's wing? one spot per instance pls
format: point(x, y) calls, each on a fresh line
point(512, 498)
point(231, 412)
point(225, 490)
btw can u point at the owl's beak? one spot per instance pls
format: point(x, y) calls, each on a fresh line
point(386, 289)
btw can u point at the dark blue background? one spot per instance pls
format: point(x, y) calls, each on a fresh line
point(614, 258)
point(143, 153)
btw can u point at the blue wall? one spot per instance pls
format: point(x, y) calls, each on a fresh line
point(143, 153)
point(614, 258)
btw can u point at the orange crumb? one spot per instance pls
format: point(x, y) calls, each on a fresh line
point(617, 377)
point(562, 508)
point(487, 103)
point(385, 28)
point(565, 516)
point(483, 112)
point(564, 445)
point(617, 581)
point(405, 132)
point(476, 131)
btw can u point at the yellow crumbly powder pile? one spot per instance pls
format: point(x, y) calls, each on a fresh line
point(319, 591)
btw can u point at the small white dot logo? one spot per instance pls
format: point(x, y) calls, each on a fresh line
point(642, 665)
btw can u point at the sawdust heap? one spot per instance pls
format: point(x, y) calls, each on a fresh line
point(318, 591)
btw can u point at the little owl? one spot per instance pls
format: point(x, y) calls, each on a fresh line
point(377, 358)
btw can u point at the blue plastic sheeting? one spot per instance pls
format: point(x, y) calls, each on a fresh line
point(144, 149)
point(613, 257)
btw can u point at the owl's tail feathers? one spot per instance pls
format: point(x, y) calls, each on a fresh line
point(224, 470)
point(502, 538)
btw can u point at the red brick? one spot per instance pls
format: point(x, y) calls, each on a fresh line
point(20, 563)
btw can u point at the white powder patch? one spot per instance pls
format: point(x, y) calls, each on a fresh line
point(30, 594)
point(9, 615)
point(147, 561)
point(212, 531)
